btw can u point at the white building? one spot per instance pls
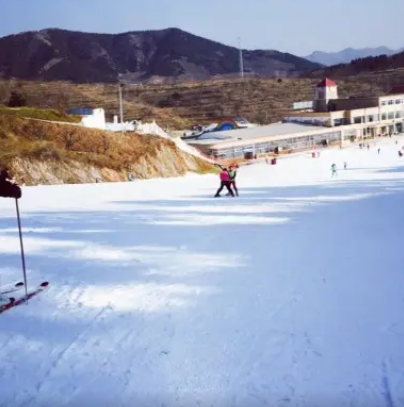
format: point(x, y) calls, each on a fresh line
point(94, 121)
point(330, 121)
point(378, 115)
point(94, 118)
point(90, 117)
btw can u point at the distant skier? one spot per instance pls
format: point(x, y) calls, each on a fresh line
point(224, 182)
point(345, 165)
point(378, 151)
point(232, 175)
point(333, 170)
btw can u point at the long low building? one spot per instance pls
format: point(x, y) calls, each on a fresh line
point(334, 120)
point(265, 139)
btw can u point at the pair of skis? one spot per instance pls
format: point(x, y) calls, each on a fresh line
point(11, 302)
point(10, 288)
point(6, 301)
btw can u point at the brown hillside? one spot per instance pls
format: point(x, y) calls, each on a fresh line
point(180, 106)
point(53, 153)
point(62, 95)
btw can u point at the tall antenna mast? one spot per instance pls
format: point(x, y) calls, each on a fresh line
point(241, 59)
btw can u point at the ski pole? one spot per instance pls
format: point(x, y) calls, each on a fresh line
point(22, 247)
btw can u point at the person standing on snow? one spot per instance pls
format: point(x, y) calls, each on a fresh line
point(232, 177)
point(345, 165)
point(333, 170)
point(224, 182)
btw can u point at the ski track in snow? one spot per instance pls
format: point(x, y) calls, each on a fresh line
point(160, 295)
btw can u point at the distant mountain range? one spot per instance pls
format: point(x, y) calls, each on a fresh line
point(380, 63)
point(347, 55)
point(54, 54)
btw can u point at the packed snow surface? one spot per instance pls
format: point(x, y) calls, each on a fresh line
point(161, 295)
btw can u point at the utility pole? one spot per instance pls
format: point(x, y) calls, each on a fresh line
point(241, 58)
point(121, 104)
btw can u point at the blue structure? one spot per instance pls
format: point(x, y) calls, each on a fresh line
point(227, 124)
point(80, 111)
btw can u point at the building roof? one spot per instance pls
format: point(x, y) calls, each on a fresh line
point(80, 111)
point(326, 82)
point(271, 130)
point(397, 90)
point(353, 103)
point(309, 114)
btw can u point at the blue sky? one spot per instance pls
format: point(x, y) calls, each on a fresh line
point(296, 26)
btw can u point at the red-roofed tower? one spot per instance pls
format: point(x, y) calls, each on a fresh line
point(324, 91)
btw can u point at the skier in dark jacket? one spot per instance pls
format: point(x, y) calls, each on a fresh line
point(8, 189)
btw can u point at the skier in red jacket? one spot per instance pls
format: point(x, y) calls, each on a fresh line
point(224, 182)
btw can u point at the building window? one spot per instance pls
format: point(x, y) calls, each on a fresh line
point(391, 102)
point(357, 120)
point(384, 102)
point(398, 101)
point(384, 116)
point(391, 115)
point(399, 114)
point(339, 122)
point(370, 118)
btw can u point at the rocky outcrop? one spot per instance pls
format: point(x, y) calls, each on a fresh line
point(39, 152)
point(168, 161)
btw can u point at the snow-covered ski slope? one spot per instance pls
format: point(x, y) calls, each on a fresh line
point(160, 295)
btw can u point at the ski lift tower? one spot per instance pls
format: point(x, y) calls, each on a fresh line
point(120, 86)
point(241, 58)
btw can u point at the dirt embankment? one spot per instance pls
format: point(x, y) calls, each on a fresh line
point(47, 153)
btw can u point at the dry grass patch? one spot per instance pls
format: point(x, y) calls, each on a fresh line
point(42, 140)
point(38, 113)
point(60, 147)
